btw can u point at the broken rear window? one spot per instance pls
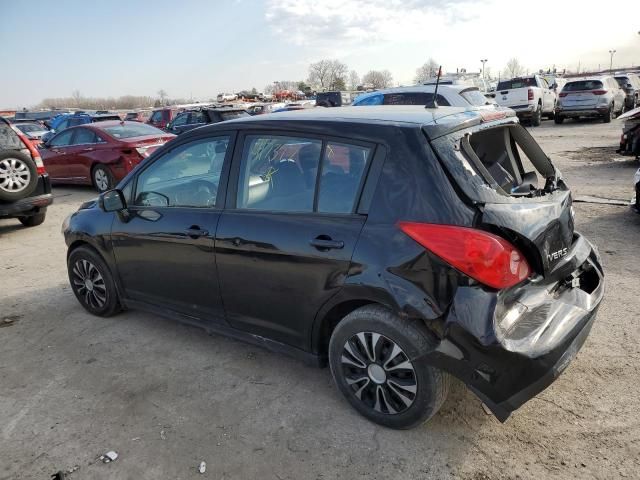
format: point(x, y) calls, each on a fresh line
point(495, 164)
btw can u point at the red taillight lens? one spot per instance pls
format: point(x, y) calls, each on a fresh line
point(563, 94)
point(598, 92)
point(530, 93)
point(32, 150)
point(487, 258)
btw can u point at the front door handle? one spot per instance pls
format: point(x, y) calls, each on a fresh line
point(324, 242)
point(195, 232)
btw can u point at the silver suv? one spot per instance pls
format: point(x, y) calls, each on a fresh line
point(590, 97)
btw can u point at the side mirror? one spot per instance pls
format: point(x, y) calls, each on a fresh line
point(113, 201)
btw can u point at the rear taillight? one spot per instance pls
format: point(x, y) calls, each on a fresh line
point(563, 94)
point(35, 155)
point(598, 92)
point(530, 94)
point(485, 257)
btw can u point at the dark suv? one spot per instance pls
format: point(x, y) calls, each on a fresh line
point(630, 83)
point(25, 190)
point(191, 119)
point(400, 244)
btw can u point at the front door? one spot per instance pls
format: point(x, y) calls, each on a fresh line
point(55, 156)
point(286, 247)
point(165, 248)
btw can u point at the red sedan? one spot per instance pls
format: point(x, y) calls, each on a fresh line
point(100, 154)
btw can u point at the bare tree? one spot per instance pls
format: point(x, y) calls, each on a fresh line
point(514, 68)
point(328, 74)
point(427, 71)
point(163, 95)
point(77, 97)
point(378, 78)
point(354, 80)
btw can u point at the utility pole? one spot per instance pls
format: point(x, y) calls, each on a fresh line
point(611, 52)
point(483, 62)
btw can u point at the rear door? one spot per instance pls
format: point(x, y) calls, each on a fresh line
point(285, 247)
point(579, 94)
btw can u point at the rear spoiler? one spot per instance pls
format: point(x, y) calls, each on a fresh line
point(459, 121)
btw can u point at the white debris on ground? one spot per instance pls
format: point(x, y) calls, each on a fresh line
point(202, 467)
point(109, 457)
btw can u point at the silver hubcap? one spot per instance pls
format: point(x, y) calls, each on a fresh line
point(89, 284)
point(102, 181)
point(14, 175)
point(379, 373)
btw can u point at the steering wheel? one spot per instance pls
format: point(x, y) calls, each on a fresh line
point(203, 192)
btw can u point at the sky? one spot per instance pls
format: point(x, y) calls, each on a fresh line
point(199, 48)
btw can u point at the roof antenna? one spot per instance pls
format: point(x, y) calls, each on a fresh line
point(434, 102)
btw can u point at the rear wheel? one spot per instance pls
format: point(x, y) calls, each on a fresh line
point(92, 282)
point(536, 120)
point(374, 358)
point(558, 119)
point(102, 178)
point(609, 115)
point(18, 175)
point(33, 220)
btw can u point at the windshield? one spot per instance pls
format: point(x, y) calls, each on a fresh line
point(517, 83)
point(582, 85)
point(30, 127)
point(132, 130)
point(233, 114)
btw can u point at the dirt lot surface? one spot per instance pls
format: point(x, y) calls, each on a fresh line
point(167, 396)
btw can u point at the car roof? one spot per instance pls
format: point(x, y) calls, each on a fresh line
point(588, 79)
point(455, 88)
point(408, 114)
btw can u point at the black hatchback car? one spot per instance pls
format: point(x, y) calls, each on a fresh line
point(191, 119)
point(400, 244)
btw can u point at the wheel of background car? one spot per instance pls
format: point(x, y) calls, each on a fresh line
point(92, 282)
point(33, 220)
point(536, 120)
point(558, 119)
point(18, 175)
point(102, 178)
point(371, 354)
point(609, 115)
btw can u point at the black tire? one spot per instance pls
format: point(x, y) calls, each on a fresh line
point(100, 297)
point(33, 220)
point(378, 400)
point(536, 119)
point(552, 115)
point(559, 119)
point(18, 175)
point(609, 115)
point(102, 178)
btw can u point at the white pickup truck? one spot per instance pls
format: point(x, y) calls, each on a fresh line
point(531, 97)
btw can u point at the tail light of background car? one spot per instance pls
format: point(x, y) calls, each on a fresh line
point(131, 157)
point(483, 256)
point(598, 92)
point(563, 94)
point(530, 94)
point(35, 155)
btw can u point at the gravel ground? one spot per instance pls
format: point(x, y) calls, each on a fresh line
point(167, 396)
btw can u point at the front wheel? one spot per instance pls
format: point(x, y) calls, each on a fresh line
point(92, 282)
point(375, 361)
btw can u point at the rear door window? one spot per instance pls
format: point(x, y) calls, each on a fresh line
point(343, 168)
point(84, 136)
point(156, 116)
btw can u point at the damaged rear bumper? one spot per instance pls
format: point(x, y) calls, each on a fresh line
point(509, 346)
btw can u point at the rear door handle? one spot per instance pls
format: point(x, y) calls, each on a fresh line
point(88, 149)
point(195, 232)
point(326, 244)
